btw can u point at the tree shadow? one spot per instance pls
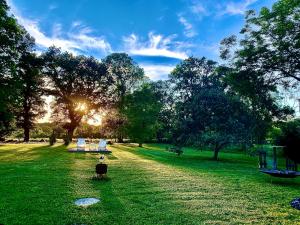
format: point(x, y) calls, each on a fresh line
point(286, 182)
point(29, 152)
point(130, 195)
point(224, 168)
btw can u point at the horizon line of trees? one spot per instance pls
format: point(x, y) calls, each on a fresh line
point(202, 103)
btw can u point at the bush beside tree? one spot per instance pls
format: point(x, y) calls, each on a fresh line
point(290, 138)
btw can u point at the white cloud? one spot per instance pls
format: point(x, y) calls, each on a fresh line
point(198, 8)
point(56, 30)
point(76, 23)
point(157, 72)
point(82, 40)
point(188, 27)
point(237, 8)
point(157, 45)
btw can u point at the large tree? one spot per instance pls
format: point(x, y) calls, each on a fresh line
point(14, 41)
point(142, 109)
point(126, 76)
point(165, 92)
point(219, 119)
point(31, 92)
point(79, 84)
point(290, 138)
point(270, 44)
point(113, 123)
point(207, 113)
point(266, 61)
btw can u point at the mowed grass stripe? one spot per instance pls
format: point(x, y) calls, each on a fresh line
point(237, 193)
point(34, 185)
point(193, 194)
point(146, 186)
point(130, 196)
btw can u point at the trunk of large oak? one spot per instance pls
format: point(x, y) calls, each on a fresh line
point(70, 127)
point(26, 134)
point(216, 154)
point(217, 149)
point(26, 122)
point(69, 136)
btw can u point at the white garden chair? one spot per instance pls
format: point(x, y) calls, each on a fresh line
point(102, 145)
point(81, 144)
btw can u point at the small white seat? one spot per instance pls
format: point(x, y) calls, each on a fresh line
point(81, 144)
point(102, 145)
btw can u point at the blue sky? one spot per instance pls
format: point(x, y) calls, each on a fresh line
point(156, 33)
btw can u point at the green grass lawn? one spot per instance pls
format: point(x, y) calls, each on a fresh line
point(39, 184)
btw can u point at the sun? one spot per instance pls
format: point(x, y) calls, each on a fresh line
point(81, 106)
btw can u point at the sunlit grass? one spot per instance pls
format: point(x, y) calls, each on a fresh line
point(146, 186)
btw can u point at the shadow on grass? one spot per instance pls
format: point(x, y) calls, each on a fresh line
point(21, 152)
point(287, 182)
point(131, 195)
point(109, 199)
point(230, 166)
point(190, 154)
point(36, 183)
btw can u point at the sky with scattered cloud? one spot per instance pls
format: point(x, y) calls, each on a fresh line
point(157, 34)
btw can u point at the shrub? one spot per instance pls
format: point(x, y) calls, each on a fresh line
point(290, 138)
point(274, 133)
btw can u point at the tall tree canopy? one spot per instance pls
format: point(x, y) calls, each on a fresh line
point(31, 92)
point(126, 76)
point(266, 61)
point(165, 91)
point(125, 73)
point(207, 113)
point(15, 43)
point(79, 84)
point(142, 109)
point(189, 74)
point(270, 45)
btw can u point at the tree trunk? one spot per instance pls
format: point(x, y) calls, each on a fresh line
point(140, 144)
point(69, 136)
point(216, 153)
point(70, 127)
point(26, 122)
point(26, 133)
point(120, 139)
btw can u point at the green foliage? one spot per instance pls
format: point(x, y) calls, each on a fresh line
point(271, 43)
point(31, 92)
point(42, 130)
point(189, 74)
point(166, 118)
point(14, 43)
point(77, 81)
point(142, 109)
point(89, 131)
point(260, 98)
point(124, 72)
point(207, 114)
point(17, 133)
point(274, 133)
point(114, 124)
point(126, 76)
point(290, 138)
point(265, 61)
